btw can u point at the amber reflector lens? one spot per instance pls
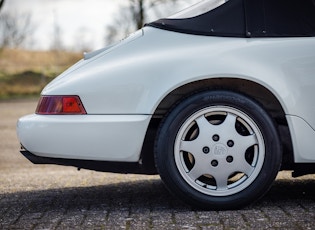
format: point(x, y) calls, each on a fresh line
point(54, 105)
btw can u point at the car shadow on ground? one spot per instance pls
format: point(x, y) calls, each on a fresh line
point(141, 195)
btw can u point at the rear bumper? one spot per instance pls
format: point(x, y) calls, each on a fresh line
point(84, 137)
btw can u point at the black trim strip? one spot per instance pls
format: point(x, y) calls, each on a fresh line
point(101, 166)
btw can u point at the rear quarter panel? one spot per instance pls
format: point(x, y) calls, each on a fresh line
point(134, 78)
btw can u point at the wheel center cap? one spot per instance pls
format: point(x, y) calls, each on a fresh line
point(219, 150)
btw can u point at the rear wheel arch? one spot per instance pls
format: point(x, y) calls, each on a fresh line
point(248, 88)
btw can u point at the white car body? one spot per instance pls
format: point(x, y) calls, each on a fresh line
point(119, 112)
point(216, 102)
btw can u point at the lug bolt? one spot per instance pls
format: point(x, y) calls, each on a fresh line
point(214, 163)
point(230, 143)
point(229, 159)
point(206, 149)
point(215, 137)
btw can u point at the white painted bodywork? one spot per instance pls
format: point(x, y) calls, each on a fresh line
point(90, 137)
point(122, 86)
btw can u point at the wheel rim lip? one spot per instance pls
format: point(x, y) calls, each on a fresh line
point(239, 185)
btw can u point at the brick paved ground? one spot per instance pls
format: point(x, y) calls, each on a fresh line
point(55, 197)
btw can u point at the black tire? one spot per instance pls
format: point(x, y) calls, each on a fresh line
point(218, 150)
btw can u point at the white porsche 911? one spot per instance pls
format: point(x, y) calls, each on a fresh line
point(216, 99)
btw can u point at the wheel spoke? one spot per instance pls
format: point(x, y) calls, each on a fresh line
point(204, 126)
point(221, 181)
point(202, 139)
point(239, 151)
point(244, 167)
point(189, 146)
point(196, 172)
point(202, 121)
point(229, 122)
point(248, 141)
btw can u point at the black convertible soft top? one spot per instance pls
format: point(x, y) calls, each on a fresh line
point(248, 18)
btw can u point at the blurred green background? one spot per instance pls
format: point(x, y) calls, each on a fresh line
point(24, 73)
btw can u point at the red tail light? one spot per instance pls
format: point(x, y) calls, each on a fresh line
point(55, 105)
